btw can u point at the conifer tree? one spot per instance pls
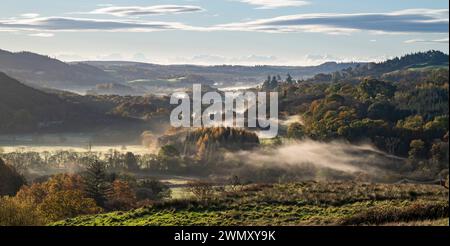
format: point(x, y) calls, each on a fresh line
point(97, 186)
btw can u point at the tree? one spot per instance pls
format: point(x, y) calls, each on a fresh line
point(152, 190)
point(413, 123)
point(16, 213)
point(121, 197)
point(10, 180)
point(439, 152)
point(96, 185)
point(372, 89)
point(201, 190)
point(131, 162)
point(67, 204)
point(168, 151)
point(382, 111)
point(169, 157)
point(289, 79)
point(416, 149)
point(296, 131)
point(273, 83)
point(60, 197)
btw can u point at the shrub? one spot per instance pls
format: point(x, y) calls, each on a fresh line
point(202, 190)
point(152, 190)
point(16, 213)
point(67, 204)
point(62, 196)
point(386, 214)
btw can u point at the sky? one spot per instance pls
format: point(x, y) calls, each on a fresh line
point(215, 32)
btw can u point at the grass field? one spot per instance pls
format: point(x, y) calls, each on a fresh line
point(292, 204)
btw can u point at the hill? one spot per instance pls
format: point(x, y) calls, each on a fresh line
point(224, 74)
point(291, 204)
point(25, 109)
point(421, 62)
point(43, 71)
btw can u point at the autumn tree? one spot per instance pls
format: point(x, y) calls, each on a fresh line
point(121, 197)
point(417, 149)
point(67, 204)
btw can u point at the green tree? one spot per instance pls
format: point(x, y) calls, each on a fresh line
point(131, 162)
point(373, 89)
point(96, 184)
point(413, 123)
point(296, 131)
point(289, 79)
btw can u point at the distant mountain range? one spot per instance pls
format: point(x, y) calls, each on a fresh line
point(133, 78)
point(44, 72)
point(220, 75)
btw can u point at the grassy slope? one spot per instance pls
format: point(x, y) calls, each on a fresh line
point(294, 204)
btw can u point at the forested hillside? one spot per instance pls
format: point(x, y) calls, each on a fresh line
point(24, 109)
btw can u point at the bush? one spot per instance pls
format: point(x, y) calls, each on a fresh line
point(202, 190)
point(415, 212)
point(16, 213)
point(67, 204)
point(62, 196)
point(153, 190)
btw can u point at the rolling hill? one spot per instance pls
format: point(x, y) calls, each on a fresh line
point(224, 74)
point(26, 109)
point(414, 63)
point(43, 71)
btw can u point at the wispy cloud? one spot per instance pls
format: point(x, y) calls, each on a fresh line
point(405, 21)
point(439, 41)
point(207, 59)
point(29, 15)
point(42, 35)
point(272, 4)
point(83, 24)
point(146, 10)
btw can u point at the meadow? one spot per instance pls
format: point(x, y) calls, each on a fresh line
point(291, 204)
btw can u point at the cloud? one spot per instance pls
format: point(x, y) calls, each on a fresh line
point(272, 4)
point(437, 41)
point(404, 21)
point(220, 60)
point(147, 10)
point(29, 15)
point(42, 35)
point(82, 24)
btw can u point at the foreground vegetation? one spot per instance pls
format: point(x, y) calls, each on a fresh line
point(310, 203)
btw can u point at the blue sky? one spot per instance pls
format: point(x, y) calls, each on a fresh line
point(248, 32)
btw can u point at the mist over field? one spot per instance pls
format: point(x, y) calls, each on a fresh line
point(338, 156)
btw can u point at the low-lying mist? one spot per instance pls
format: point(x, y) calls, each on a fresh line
point(310, 159)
